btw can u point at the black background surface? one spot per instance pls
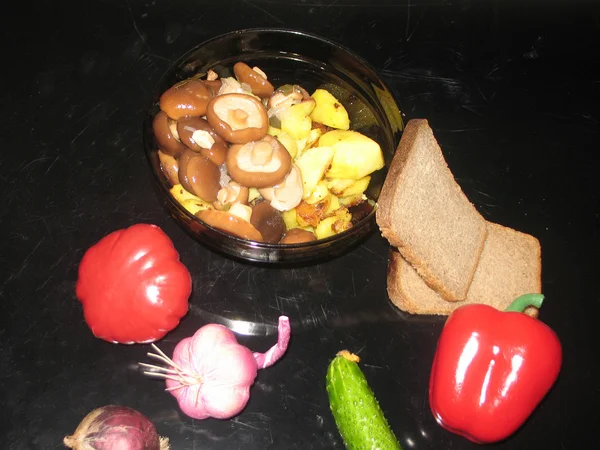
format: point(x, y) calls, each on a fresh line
point(511, 92)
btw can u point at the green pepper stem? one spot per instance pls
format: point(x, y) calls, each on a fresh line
point(522, 302)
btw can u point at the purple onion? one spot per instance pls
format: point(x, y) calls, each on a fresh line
point(115, 427)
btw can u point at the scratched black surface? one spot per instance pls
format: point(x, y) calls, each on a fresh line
point(512, 94)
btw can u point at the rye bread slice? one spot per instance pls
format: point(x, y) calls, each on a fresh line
point(425, 214)
point(510, 266)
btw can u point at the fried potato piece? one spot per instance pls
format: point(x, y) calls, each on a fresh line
point(311, 214)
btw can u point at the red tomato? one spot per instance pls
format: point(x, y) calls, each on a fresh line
point(133, 287)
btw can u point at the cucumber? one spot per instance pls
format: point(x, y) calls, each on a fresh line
point(357, 413)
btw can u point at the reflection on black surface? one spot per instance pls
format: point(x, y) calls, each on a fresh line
point(305, 294)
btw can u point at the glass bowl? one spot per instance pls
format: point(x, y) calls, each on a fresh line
point(287, 57)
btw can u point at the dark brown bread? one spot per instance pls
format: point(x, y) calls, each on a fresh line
point(510, 266)
point(424, 213)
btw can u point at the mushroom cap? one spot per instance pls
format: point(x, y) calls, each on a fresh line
point(297, 236)
point(245, 171)
point(231, 193)
point(230, 223)
point(258, 83)
point(199, 176)
point(215, 151)
point(287, 194)
point(238, 118)
point(167, 141)
point(213, 85)
point(187, 98)
point(268, 221)
point(169, 167)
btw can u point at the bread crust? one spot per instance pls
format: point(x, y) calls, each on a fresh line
point(510, 265)
point(445, 235)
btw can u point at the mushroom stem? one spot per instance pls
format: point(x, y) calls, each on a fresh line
point(262, 153)
point(240, 116)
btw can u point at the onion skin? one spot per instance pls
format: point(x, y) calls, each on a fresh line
point(116, 427)
point(215, 373)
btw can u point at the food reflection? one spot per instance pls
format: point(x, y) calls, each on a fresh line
point(264, 164)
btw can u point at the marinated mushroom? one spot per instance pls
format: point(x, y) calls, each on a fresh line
point(230, 223)
point(284, 97)
point(297, 235)
point(212, 82)
point(230, 85)
point(260, 163)
point(287, 194)
point(214, 86)
point(268, 221)
point(197, 134)
point(199, 176)
point(169, 167)
point(186, 98)
point(232, 193)
point(238, 118)
point(165, 132)
point(255, 78)
point(287, 95)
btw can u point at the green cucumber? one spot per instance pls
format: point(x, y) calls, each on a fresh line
point(357, 413)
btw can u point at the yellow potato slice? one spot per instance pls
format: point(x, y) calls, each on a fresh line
point(289, 143)
point(338, 185)
point(358, 187)
point(335, 224)
point(329, 111)
point(319, 193)
point(193, 206)
point(295, 120)
point(313, 163)
point(273, 131)
point(356, 155)
point(308, 141)
point(352, 200)
point(334, 205)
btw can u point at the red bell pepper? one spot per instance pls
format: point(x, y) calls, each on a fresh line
point(132, 285)
point(491, 369)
